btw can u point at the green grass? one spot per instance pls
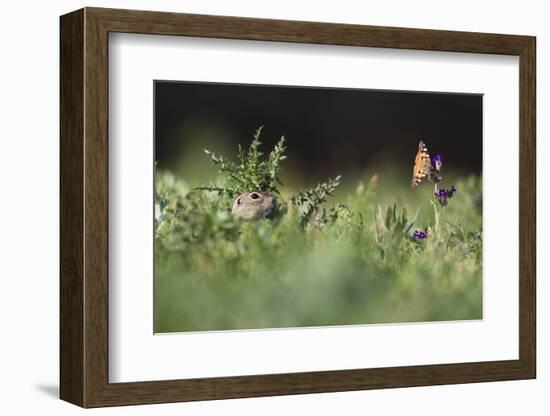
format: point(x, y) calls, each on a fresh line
point(345, 258)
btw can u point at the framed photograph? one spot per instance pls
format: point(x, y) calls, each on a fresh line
point(255, 207)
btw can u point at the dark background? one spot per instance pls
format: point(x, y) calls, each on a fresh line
point(328, 130)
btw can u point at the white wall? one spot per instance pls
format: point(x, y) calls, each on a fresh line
point(29, 206)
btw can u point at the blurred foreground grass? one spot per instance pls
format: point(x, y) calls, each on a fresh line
point(359, 266)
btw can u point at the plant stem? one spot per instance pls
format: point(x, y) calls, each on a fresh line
point(436, 216)
point(437, 213)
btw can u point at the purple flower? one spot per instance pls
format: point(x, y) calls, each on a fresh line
point(437, 163)
point(443, 195)
point(419, 235)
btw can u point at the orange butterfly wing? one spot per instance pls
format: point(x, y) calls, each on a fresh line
point(422, 164)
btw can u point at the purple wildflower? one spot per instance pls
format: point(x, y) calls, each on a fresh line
point(419, 235)
point(443, 195)
point(437, 163)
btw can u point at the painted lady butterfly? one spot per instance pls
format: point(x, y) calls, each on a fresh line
point(422, 165)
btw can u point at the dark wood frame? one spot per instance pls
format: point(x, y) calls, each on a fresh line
point(84, 208)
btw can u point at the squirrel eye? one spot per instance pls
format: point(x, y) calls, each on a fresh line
point(254, 195)
point(239, 201)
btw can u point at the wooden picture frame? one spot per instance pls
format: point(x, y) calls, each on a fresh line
point(84, 207)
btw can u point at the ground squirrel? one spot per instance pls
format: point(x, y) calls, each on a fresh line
point(253, 206)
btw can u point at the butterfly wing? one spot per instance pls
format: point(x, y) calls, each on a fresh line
point(422, 164)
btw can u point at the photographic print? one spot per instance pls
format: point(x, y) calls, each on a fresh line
point(290, 206)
